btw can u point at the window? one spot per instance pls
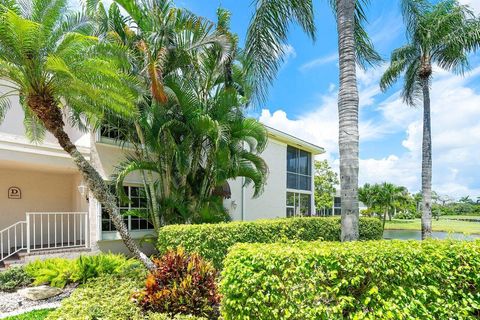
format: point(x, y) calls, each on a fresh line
point(113, 131)
point(138, 201)
point(299, 204)
point(299, 169)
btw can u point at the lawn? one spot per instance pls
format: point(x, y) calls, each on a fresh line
point(444, 224)
point(32, 315)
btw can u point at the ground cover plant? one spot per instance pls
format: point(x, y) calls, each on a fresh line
point(58, 272)
point(108, 298)
point(32, 315)
point(212, 241)
point(13, 279)
point(357, 280)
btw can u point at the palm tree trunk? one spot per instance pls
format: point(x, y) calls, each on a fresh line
point(426, 164)
point(47, 111)
point(384, 219)
point(348, 120)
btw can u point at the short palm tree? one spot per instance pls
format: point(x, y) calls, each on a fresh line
point(57, 70)
point(443, 35)
point(266, 43)
point(198, 138)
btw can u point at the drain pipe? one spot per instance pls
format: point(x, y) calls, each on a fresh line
point(243, 199)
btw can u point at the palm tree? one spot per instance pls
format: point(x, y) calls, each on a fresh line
point(58, 71)
point(156, 39)
point(266, 43)
point(442, 34)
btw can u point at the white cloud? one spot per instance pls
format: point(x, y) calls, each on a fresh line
point(289, 52)
point(455, 130)
point(474, 4)
point(319, 62)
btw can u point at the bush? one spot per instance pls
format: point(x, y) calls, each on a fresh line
point(212, 241)
point(356, 280)
point(58, 272)
point(106, 298)
point(181, 284)
point(13, 279)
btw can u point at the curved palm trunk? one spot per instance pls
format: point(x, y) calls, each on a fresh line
point(46, 110)
point(348, 120)
point(426, 164)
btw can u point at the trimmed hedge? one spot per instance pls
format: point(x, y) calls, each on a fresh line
point(108, 298)
point(363, 280)
point(212, 241)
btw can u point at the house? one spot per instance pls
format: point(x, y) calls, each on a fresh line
point(46, 207)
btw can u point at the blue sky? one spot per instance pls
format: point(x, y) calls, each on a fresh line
point(302, 102)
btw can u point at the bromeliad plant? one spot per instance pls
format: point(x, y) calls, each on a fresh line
point(61, 73)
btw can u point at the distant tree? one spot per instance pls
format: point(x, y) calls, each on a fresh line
point(326, 181)
point(440, 34)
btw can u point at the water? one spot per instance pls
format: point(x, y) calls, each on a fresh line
point(417, 235)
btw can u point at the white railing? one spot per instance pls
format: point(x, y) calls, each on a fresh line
point(54, 230)
point(13, 239)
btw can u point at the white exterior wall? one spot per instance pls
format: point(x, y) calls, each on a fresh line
point(50, 180)
point(272, 202)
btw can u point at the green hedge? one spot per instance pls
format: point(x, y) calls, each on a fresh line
point(107, 298)
point(363, 280)
point(212, 241)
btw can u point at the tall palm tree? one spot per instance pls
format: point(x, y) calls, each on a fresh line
point(266, 42)
point(57, 70)
point(441, 34)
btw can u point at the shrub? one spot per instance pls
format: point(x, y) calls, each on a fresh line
point(55, 272)
point(58, 272)
point(212, 241)
point(13, 279)
point(106, 298)
point(356, 280)
point(181, 284)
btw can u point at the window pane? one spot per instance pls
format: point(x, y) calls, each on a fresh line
point(305, 209)
point(291, 159)
point(290, 212)
point(290, 199)
point(304, 162)
point(304, 183)
point(292, 181)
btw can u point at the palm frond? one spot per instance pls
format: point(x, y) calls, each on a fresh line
point(267, 36)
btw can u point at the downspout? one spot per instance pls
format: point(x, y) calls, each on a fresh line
point(243, 200)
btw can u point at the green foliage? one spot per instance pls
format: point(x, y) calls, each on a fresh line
point(13, 279)
point(441, 33)
point(58, 272)
point(325, 182)
point(32, 315)
point(354, 280)
point(212, 241)
point(181, 284)
point(191, 135)
point(107, 298)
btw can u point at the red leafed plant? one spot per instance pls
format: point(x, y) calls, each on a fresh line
point(181, 284)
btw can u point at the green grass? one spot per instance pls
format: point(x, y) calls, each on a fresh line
point(32, 315)
point(444, 224)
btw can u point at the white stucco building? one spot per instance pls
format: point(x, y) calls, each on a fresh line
point(45, 206)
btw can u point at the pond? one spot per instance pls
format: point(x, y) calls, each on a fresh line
point(417, 235)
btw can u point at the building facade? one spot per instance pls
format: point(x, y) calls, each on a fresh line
point(45, 205)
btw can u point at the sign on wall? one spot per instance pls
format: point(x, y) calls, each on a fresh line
point(14, 193)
